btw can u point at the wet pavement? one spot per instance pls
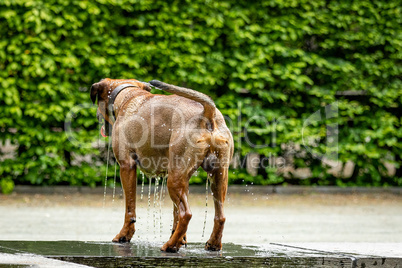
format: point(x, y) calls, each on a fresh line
point(303, 229)
point(146, 254)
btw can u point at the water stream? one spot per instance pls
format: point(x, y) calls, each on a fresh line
point(107, 169)
point(206, 207)
point(149, 202)
point(142, 185)
point(156, 195)
point(114, 180)
point(160, 206)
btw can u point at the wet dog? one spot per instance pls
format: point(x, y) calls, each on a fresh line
point(166, 135)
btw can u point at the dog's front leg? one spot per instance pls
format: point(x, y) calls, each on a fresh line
point(128, 175)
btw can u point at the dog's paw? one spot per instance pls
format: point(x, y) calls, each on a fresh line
point(170, 248)
point(174, 246)
point(184, 241)
point(211, 247)
point(121, 239)
point(125, 235)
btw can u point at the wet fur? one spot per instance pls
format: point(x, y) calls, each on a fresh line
point(150, 132)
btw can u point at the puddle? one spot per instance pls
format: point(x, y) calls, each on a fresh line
point(109, 249)
point(141, 253)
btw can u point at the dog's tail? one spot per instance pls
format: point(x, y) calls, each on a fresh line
point(206, 101)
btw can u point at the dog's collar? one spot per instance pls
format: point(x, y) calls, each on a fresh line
point(113, 97)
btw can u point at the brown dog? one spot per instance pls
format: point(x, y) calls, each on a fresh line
point(166, 135)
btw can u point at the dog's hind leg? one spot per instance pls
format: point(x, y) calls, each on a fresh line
point(177, 184)
point(219, 182)
point(128, 175)
point(175, 222)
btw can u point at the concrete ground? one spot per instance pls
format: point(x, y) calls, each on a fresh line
point(362, 223)
point(252, 217)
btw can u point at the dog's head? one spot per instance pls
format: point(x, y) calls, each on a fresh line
point(101, 91)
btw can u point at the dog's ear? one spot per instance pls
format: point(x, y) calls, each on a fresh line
point(94, 92)
point(97, 90)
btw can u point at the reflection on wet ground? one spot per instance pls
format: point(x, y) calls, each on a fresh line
point(109, 249)
point(107, 254)
point(311, 230)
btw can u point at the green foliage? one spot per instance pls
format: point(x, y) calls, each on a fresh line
point(268, 65)
point(6, 185)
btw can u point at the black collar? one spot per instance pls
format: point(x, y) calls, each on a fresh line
point(113, 97)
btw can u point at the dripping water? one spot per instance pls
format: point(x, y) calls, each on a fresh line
point(114, 180)
point(142, 186)
point(156, 195)
point(206, 207)
point(160, 206)
point(149, 202)
point(107, 168)
point(142, 191)
point(165, 183)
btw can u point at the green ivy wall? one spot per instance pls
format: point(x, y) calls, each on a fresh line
point(269, 65)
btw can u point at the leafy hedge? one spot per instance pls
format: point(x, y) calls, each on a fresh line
point(268, 65)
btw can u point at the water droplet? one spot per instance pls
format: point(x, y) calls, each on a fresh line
point(206, 207)
point(142, 185)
